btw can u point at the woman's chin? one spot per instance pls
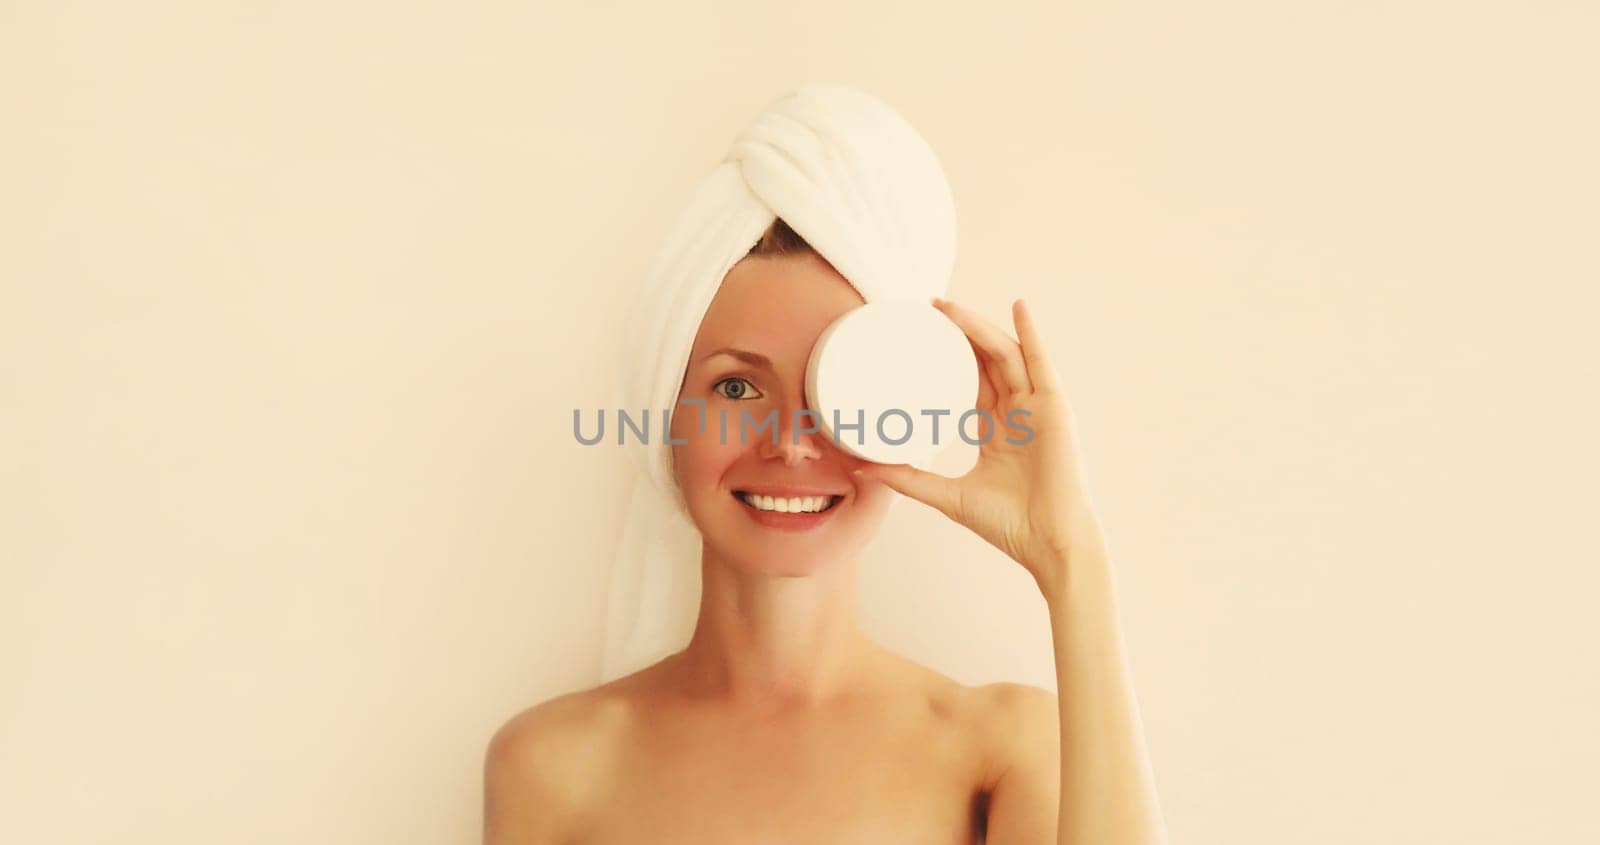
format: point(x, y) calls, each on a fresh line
point(786, 557)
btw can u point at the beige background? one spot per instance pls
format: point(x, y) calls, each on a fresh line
point(296, 301)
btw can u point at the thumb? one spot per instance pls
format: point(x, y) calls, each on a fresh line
point(929, 488)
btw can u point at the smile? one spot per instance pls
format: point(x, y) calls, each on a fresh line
point(788, 513)
point(781, 504)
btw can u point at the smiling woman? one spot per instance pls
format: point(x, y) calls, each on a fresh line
point(780, 720)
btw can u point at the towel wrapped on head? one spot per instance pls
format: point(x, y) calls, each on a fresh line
point(865, 190)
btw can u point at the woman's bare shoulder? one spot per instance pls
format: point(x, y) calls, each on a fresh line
point(1021, 731)
point(1014, 727)
point(1008, 700)
point(549, 767)
point(1018, 714)
point(547, 764)
point(994, 704)
point(566, 729)
point(550, 727)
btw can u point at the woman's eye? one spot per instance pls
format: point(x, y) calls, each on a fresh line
point(738, 388)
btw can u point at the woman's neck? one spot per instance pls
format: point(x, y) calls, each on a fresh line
point(784, 642)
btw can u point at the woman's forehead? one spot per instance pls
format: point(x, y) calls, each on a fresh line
point(775, 302)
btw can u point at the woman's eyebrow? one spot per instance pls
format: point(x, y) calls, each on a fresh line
point(754, 359)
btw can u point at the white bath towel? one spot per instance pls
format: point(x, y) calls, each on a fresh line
point(859, 184)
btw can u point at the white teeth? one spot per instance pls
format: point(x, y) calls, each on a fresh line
point(806, 504)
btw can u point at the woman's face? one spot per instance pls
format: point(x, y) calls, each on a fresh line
point(774, 308)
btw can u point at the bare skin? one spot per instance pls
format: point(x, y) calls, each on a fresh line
point(907, 756)
point(781, 721)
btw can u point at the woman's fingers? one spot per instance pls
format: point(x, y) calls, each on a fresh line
point(1041, 371)
point(988, 383)
point(1004, 352)
point(993, 378)
point(929, 488)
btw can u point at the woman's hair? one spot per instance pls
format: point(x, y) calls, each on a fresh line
point(779, 239)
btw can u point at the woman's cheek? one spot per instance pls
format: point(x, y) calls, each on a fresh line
point(702, 461)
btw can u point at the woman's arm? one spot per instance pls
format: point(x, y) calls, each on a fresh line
point(1108, 791)
point(1028, 496)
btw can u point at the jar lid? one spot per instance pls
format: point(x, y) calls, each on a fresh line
point(890, 381)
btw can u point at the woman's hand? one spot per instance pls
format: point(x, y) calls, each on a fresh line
point(1027, 498)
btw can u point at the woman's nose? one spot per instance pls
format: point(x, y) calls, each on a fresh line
point(797, 438)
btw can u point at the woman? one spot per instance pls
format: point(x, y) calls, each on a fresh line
point(780, 721)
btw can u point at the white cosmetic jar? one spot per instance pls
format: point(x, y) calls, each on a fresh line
point(903, 371)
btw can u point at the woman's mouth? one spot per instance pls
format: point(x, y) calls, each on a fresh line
point(788, 513)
